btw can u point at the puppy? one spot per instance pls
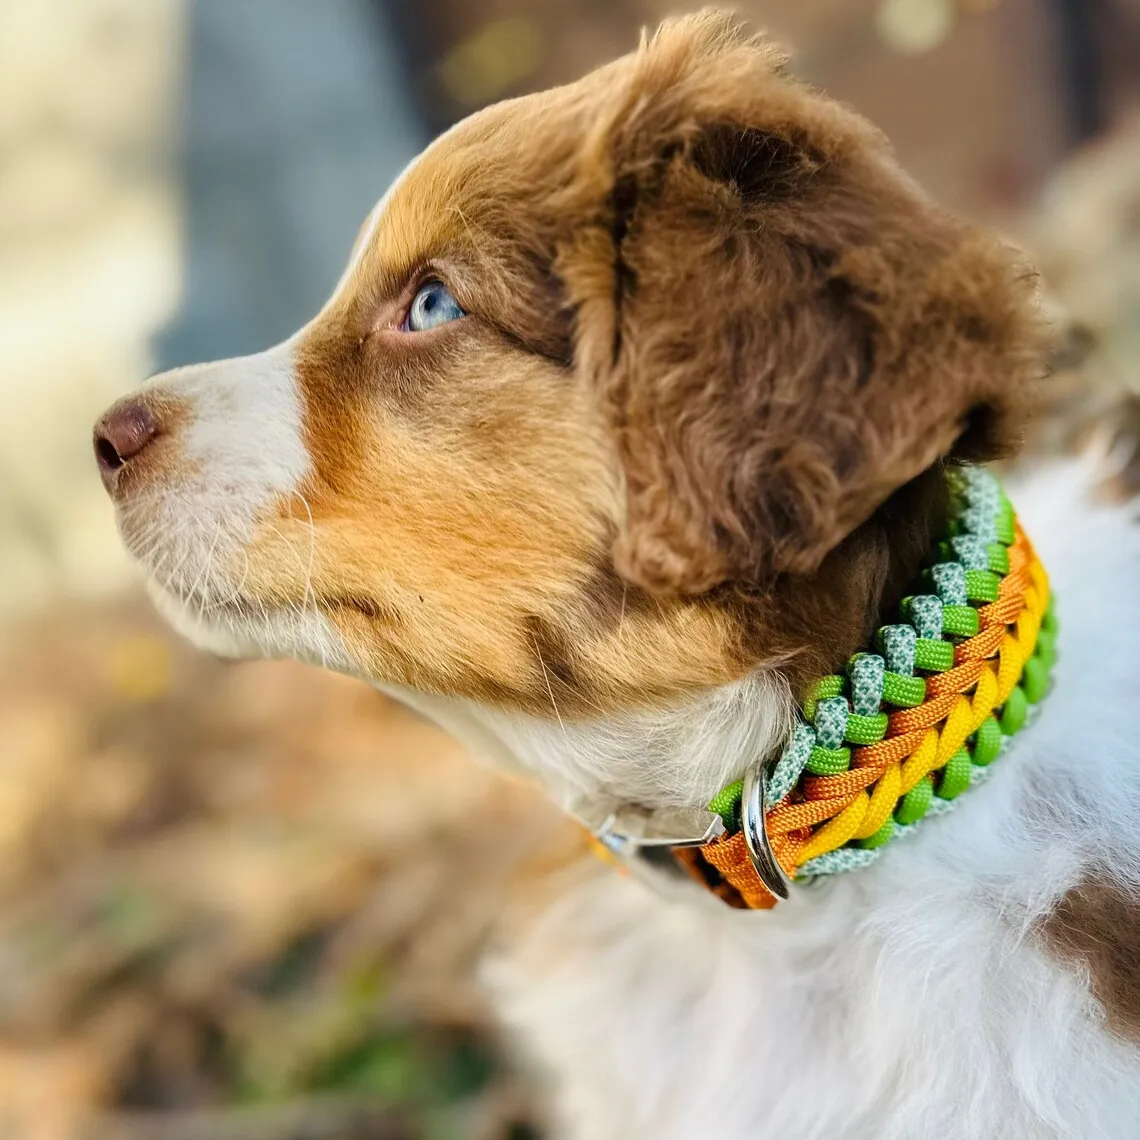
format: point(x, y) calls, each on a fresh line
point(630, 418)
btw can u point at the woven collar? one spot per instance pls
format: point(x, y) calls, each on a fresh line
point(909, 726)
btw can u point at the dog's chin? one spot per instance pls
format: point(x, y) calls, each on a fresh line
point(241, 629)
point(217, 632)
point(192, 548)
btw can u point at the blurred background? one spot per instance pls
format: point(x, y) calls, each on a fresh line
point(248, 901)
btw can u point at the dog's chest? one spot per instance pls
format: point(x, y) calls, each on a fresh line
point(931, 1018)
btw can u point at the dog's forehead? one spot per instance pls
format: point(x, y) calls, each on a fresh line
point(489, 165)
point(426, 208)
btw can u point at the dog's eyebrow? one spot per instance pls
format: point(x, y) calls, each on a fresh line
point(386, 281)
point(559, 351)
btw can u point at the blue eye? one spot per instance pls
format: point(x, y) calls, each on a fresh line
point(433, 305)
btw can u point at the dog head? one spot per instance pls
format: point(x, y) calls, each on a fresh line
point(630, 388)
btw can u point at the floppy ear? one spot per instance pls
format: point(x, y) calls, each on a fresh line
point(780, 328)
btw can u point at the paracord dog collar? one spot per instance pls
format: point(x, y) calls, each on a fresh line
point(908, 727)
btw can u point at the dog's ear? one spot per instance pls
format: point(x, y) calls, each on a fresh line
point(780, 328)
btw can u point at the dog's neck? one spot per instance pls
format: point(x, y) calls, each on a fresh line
point(678, 755)
point(681, 754)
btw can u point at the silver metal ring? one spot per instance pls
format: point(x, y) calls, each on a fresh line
point(753, 807)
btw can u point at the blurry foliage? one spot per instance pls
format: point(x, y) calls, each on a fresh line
point(243, 899)
point(1085, 238)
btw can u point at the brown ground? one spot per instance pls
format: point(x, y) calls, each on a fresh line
point(242, 900)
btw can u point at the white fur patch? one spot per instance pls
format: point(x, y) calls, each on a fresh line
point(241, 452)
point(682, 754)
point(300, 634)
point(246, 430)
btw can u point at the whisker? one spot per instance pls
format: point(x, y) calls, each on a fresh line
point(550, 689)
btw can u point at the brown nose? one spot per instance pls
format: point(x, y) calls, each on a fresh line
point(121, 435)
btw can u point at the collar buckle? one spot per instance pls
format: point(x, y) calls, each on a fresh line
point(629, 828)
point(645, 839)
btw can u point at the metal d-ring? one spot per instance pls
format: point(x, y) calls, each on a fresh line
point(753, 808)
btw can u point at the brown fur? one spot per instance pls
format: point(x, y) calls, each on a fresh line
point(781, 328)
point(1096, 926)
point(716, 342)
